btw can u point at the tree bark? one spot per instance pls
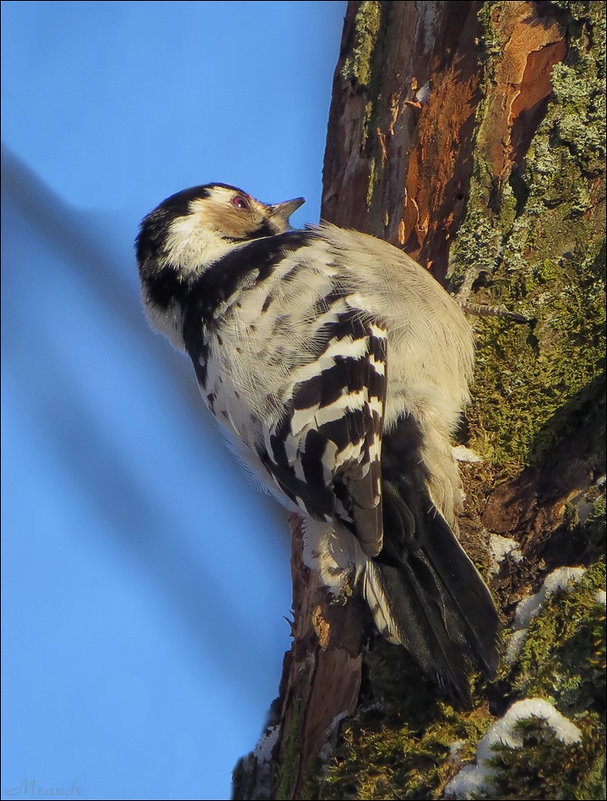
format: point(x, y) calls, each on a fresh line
point(471, 135)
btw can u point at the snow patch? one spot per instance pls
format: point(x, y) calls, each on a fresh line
point(515, 645)
point(463, 454)
point(474, 778)
point(261, 768)
point(559, 579)
point(267, 741)
point(528, 608)
point(501, 547)
point(455, 751)
point(327, 749)
point(583, 512)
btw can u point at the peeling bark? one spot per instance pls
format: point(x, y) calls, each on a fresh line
point(402, 167)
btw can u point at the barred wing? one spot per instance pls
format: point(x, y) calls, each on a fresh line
point(325, 452)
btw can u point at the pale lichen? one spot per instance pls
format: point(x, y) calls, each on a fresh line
point(358, 65)
point(540, 251)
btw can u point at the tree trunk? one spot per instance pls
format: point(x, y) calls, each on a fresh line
point(471, 135)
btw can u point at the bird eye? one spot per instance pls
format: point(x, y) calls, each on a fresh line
point(240, 202)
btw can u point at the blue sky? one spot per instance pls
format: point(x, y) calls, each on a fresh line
point(145, 582)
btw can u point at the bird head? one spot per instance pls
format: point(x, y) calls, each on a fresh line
point(193, 228)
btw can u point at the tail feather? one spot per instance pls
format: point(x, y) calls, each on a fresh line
point(467, 591)
point(426, 594)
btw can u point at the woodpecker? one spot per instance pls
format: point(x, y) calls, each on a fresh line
point(339, 368)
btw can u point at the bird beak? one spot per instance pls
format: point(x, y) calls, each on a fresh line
point(284, 210)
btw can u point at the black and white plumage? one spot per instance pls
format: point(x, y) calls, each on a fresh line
point(339, 368)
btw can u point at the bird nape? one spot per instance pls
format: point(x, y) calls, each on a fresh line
point(339, 369)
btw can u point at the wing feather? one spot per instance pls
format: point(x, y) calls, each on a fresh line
point(325, 452)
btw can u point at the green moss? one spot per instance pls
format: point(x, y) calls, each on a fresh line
point(289, 765)
point(379, 760)
point(533, 383)
point(251, 779)
point(398, 746)
point(558, 660)
point(489, 45)
point(563, 661)
point(545, 767)
point(595, 526)
point(371, 184)
point(357, 67)
point(536, 245)
point(365, 67)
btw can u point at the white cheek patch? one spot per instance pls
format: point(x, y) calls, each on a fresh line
point(192, 246)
